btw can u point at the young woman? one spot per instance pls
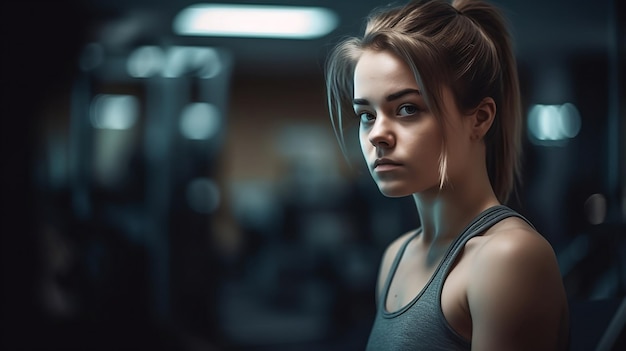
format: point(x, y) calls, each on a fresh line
point(435, 90)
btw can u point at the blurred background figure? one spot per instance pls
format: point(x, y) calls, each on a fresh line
point(172, 188)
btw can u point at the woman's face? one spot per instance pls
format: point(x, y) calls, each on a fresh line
point(400, 138)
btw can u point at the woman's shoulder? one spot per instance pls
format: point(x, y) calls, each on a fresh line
point(514, 239)
point(513, 254)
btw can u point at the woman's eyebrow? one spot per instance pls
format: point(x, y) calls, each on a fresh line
point(403, 92)
point(390, 97)
point(360, 102)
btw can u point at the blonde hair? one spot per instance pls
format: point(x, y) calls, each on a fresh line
point(464, 46)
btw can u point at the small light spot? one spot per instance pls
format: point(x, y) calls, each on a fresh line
point(199, 61)
point(114, 111)
point(595, 209)
point(200, 121)
point(570, 120)
point(145, 62)
point(203, 195)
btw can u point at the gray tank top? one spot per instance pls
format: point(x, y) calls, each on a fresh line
point(421, 325)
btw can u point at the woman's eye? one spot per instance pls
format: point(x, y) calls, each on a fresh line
point(366, 117)
point(408, 110)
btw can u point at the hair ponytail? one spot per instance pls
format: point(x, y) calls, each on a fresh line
point(504, 139)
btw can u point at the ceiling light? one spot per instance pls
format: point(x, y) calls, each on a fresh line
point(257, 21)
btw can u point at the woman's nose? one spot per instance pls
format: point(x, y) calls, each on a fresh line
point(381, 135)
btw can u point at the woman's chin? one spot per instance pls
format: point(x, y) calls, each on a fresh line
point(391, 191)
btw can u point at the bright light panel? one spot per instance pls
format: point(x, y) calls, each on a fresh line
point(255, 21)
point(553, 123)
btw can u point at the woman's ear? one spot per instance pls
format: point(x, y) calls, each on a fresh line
point(483, 117)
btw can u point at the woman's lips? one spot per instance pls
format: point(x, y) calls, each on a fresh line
point(385, 164)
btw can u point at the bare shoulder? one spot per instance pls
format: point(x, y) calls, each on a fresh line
point(516, 290)
point(513, 254)
point(514, 241)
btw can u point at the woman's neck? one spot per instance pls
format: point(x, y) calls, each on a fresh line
point(445, 213)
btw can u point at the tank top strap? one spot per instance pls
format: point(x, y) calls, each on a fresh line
point(488, 218)
point(479, 224)
point(394, 266)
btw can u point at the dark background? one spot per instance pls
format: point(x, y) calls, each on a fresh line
point(287, 259)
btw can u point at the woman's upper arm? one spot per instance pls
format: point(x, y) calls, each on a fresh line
point(516, 295)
